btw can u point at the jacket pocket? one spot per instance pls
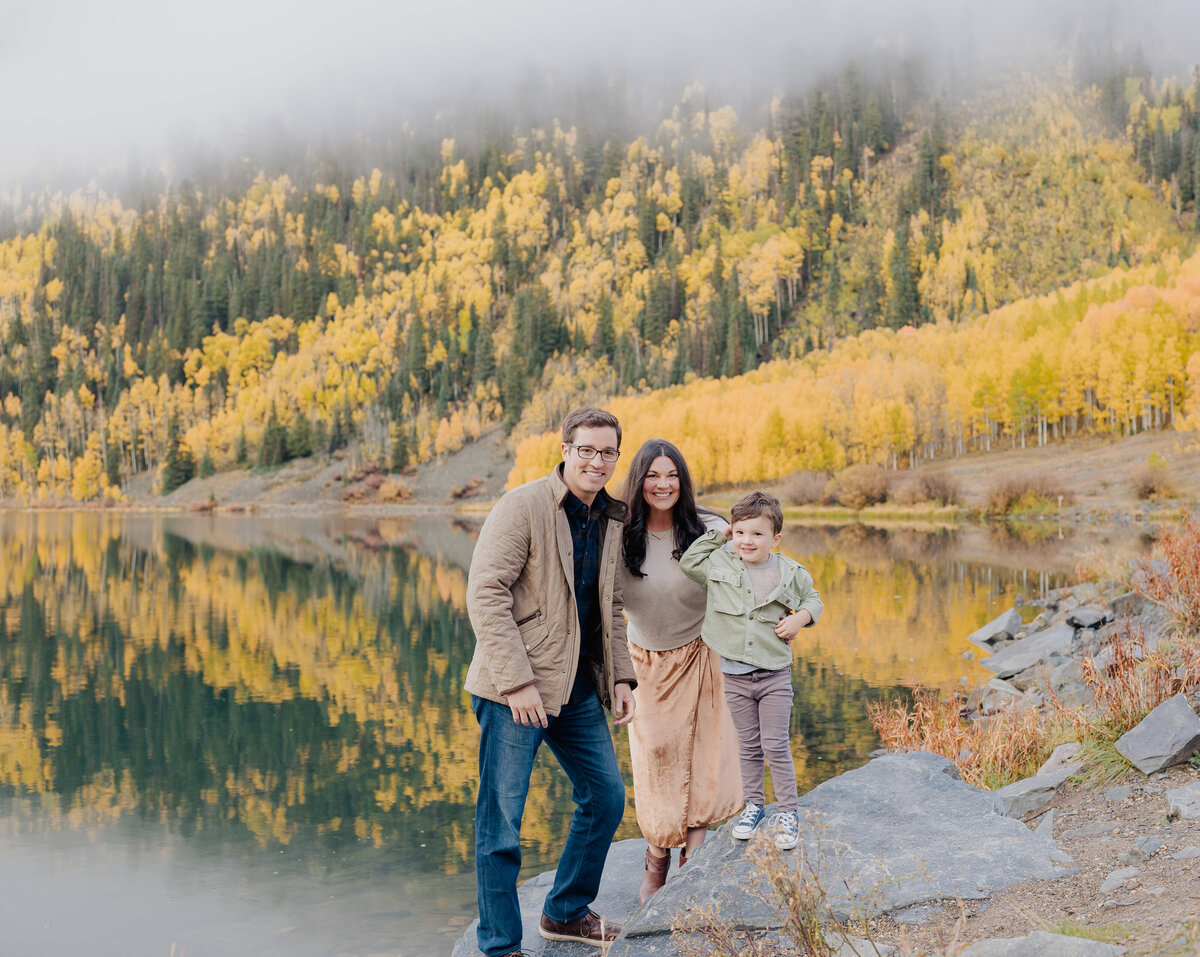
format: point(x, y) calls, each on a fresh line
point(534, 631)
point(724, 591)
point(789, 600)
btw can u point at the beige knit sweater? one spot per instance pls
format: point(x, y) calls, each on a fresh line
point(664, 609)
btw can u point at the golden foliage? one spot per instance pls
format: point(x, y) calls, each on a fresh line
point(1108, 356)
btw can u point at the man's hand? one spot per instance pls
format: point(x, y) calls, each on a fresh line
point(623, 704)
point(789, 625)
point(526, 706)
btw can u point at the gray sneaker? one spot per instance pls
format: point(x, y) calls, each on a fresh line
point(787, 829)
point(747, 823)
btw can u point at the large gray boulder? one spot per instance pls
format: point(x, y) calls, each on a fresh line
point(1168, 735)
point(1043, 944)
point(1005, 625)
point(1015, 658)
point(902, 830)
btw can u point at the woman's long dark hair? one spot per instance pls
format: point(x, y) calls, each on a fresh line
point(685, 515)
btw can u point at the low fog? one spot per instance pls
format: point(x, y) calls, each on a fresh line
point(93, 89)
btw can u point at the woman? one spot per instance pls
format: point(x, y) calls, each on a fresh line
point(682, 741)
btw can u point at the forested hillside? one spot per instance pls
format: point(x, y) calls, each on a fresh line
point(880, 249)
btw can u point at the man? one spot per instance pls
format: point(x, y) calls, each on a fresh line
point(550, 654)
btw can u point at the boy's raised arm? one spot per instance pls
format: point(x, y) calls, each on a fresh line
point(810, 599)
point(694, 562)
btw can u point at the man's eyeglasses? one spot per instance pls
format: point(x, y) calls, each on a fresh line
point(589, 453)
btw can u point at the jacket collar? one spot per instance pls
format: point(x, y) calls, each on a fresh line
point(614, 509)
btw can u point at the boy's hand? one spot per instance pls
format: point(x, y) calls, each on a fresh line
point(789, 626)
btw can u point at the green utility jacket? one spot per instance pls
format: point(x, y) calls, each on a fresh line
point(734, 626)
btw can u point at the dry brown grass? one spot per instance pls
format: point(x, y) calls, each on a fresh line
point(859, 486)
point(989, 752)
point(1177, 587)
point(791, 884)
point(804, 488)
point(794, 890)
point(927, 485)
point(1154, 480)
point(1136, 682)
point(1129, 683)
point(1105, 563)
point(1025, 493)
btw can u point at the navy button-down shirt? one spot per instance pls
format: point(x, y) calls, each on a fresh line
point(585, 545)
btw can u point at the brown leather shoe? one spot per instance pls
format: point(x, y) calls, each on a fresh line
point(591, 928)
point(656, 874)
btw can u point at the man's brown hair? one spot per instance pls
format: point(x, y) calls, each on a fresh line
point(755, 505)
point(589, 417)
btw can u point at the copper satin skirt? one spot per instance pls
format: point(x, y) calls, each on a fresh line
point(682, 743)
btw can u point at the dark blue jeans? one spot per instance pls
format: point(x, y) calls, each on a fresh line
point(579, 738)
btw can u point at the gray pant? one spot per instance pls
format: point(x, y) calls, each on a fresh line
point(761, 705)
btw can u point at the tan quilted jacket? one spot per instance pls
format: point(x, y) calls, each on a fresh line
point(521, 599)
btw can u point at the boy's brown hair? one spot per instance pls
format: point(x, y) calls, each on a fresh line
point(758, 504)
point(589, 417)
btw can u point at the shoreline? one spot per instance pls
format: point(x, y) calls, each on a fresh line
point(883, 516)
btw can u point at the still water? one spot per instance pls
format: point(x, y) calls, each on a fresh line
point(226, 736)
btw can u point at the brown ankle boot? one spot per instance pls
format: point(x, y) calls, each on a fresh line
point(656, 874)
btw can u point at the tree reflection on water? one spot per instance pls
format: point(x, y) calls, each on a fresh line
point(298, 682)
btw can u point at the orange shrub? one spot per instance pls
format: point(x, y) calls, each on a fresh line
point(927, 486)
point(1134, 683)
point(988, 752)
point(1023, 492)
point(803, 488)
point(1177, 586)
point(1153, 480)
point(859, 486)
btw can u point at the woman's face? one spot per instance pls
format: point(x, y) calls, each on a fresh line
point(661, 487)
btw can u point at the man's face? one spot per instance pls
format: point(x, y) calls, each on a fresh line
point(586, 477)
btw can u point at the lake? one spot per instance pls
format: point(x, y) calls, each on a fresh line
point(228, 735)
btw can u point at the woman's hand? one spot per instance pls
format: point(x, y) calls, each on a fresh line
point(623, 704)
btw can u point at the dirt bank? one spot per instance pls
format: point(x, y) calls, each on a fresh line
point(1101, 474)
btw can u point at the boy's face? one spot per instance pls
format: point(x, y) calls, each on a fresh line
point(753, 538)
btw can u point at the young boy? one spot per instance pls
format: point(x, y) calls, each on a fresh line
point(758, 600)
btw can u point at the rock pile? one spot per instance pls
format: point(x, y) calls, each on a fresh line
point(903, 835)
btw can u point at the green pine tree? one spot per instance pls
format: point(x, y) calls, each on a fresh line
point(299, 438)
point(178, 467)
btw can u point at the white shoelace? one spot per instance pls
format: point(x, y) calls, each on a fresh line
point(750, 814)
